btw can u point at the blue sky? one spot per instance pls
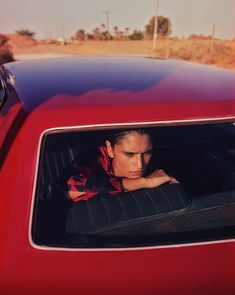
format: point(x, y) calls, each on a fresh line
point(52, 17)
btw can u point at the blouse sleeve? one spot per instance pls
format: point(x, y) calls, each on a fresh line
point(84, 181)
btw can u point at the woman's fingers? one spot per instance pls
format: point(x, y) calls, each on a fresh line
point(173, 180)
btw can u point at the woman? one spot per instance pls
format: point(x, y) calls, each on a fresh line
point(120, 167)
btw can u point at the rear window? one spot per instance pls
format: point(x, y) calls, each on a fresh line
point(200, 207)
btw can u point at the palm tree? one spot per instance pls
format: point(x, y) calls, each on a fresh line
point(116, 32)
point(127, 31)
point(103, 28)
point(80, 35)
point(96, 33)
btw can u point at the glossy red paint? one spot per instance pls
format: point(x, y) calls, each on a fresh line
point(113, 90)
point(99, 81)
point(25, 269)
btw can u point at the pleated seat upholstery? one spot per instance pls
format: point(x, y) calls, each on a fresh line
point(104, 212)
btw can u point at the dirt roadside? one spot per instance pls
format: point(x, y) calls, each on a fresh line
point(212, 52)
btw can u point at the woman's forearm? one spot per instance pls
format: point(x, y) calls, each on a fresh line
point(131, 184)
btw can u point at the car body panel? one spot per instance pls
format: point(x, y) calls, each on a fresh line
point(25, 268)
point(86, 82)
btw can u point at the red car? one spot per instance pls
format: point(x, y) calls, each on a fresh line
point(174, 239)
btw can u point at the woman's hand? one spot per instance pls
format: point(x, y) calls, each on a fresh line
point(158, 177)
point(155, 179)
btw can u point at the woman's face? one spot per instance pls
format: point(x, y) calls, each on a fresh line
point(131, 155)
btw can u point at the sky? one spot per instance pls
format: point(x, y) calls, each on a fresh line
point(55, 18)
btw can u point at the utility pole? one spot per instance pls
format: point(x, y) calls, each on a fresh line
point(167, 41)
point(63, 35)
point(212, 40)
point(62, 39)
point(155, 26)
point(107, 13)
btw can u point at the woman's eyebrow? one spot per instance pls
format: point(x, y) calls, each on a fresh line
point(129, 153)
point(133, 153)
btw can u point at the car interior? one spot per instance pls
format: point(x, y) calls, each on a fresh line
point(200, 208)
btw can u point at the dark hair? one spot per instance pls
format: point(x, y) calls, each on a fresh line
point(118, 135)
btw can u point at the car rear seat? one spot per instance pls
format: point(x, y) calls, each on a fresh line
point(104, 212)
point(59, 155)
point(55, 215)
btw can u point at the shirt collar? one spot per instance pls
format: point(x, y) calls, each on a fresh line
point(105, 161)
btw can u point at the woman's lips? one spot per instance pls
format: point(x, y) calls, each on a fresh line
point(136, 173)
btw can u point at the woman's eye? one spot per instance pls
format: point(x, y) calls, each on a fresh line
point(129, 155)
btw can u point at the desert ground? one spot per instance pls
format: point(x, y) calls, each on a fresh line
point(212, 52)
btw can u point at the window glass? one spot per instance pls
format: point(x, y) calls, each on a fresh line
point(199, 208)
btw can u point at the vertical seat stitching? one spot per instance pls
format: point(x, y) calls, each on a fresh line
point(90, 213)
point(106, 210)
point(48, 167)
point(165, 197)
point(73, 221)
point(137, 204)
point(123, 209)
point(180, 196)
point(55, 160)
point(151, 199)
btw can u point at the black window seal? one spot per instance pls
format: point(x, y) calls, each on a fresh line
point(3, 91)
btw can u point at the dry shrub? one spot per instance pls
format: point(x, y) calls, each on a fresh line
point(217, 52)
point(18, 41)
point(5, 51)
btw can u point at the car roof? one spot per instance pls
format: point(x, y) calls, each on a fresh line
point(125, 82)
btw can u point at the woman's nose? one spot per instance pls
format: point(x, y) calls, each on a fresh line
point(139, 162)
